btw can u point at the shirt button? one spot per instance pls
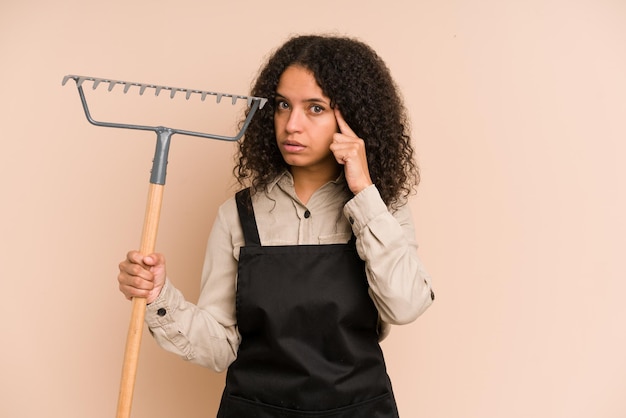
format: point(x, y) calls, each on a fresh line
point(307, 214)
point(161, 312)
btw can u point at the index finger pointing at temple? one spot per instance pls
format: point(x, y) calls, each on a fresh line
point(344, 128)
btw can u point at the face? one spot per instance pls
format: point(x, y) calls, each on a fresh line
point(304, 122)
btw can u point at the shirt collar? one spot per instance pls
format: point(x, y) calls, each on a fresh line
point(286, 176)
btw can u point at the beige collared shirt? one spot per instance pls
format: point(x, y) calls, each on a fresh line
point(206, 333)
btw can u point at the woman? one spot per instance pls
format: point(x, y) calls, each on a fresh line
point(310, 263)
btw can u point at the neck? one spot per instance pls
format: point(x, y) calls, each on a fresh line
point(306, 182)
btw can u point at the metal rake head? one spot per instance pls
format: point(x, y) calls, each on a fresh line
point(254, 103)
point(164, 133)
point(158, 89)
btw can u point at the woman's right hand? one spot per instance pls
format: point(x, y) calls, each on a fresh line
point(142, 276)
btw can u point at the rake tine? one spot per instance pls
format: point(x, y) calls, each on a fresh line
point(126, 87)
point(157, 90)
point(173, 92)
point(80, 81)
point(142, 88)
point(112, 84)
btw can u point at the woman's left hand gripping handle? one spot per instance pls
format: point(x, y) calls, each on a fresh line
point(142, 276)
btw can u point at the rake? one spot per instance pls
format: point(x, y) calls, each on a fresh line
point(155, 198)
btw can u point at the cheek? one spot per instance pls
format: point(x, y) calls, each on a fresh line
point(329, 129)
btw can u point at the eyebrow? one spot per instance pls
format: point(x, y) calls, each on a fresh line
point(309, 100)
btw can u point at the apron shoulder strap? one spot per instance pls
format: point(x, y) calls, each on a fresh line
point(246, 217)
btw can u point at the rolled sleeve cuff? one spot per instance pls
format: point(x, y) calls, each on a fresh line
point(364, 207)
point(158, 313)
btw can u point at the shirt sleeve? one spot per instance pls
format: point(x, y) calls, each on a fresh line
point(204, 333)
point(398, 283)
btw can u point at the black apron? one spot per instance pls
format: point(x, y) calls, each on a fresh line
point(309, 343)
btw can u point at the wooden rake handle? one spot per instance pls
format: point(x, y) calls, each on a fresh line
point(135, 328)
point(148, 243)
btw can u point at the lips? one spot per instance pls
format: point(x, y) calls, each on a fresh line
point(293, 146)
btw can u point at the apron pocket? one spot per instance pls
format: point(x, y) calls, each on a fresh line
point(383, 406)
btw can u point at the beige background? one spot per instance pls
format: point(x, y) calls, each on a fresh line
point(519, 111)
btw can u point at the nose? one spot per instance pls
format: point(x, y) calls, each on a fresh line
point(294, 122)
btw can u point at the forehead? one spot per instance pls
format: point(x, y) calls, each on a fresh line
point(297, 82)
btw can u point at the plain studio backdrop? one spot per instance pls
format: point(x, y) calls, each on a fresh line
point(518, 111)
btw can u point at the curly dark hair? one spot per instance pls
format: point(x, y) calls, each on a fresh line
point(356, 79)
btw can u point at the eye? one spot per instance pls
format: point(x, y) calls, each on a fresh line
point(281, 105)
point(317, 109)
